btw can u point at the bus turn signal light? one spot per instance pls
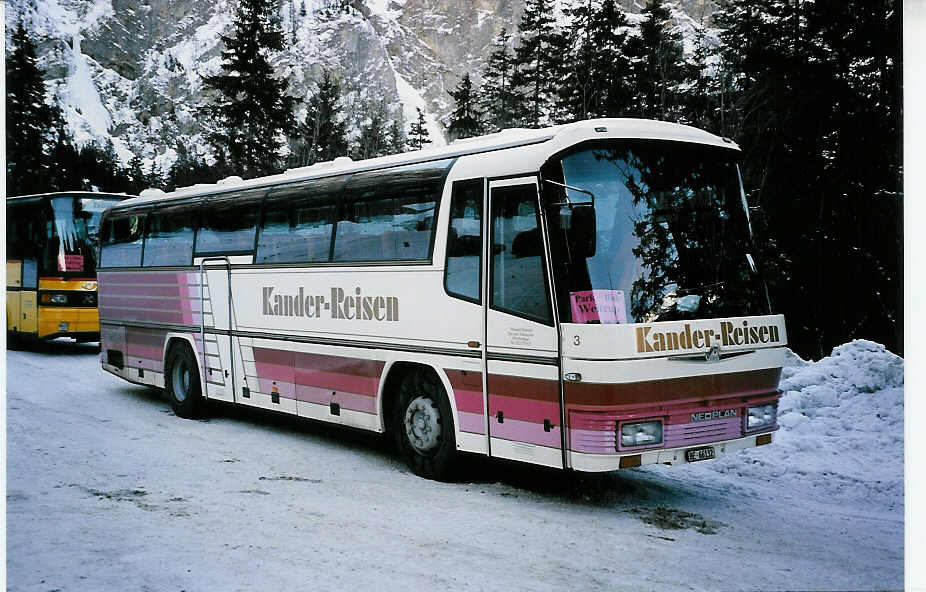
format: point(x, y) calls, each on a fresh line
point(628, 462)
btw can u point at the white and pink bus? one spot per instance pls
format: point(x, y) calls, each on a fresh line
point(581, 297)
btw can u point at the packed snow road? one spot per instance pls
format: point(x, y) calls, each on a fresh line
point(108, 490)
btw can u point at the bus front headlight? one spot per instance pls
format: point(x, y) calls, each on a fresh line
point(59, 299)
point(646, 433)
point(761, 416)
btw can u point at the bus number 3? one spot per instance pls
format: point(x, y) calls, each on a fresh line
point(576, 340)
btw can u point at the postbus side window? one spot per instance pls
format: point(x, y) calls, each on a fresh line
point(169, 237)
point(518, 285)
point(17, 244)
point(464, 241)
point(23, 239)
point(122, 241)
point(227, 228)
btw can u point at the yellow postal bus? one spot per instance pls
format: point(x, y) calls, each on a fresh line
point(52, 242)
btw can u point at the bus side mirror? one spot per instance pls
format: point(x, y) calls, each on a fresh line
point(578, 221)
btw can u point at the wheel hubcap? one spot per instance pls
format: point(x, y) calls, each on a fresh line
point(422, 424)
point(181, 381)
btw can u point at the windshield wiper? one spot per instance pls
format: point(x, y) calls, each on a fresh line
point(570, 187)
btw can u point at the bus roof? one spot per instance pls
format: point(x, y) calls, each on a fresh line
point(94, 194)
point(509, 138)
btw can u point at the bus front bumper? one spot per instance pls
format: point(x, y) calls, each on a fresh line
point(668, 456)
point(80, 323)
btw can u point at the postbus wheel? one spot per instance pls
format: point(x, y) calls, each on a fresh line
point(423, 426)
point(182, 382)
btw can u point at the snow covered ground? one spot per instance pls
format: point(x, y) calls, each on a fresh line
point(108, 490)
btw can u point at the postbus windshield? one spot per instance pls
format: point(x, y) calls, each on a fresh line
point(671, 238)
point(72, 234)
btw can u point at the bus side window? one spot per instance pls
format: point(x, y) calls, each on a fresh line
point(297, 232)
point(122, 241)
point(518, 279)
point(464, 241)
point(365, 230)
point(388, 215)
point(227, 228)
point(169, 237)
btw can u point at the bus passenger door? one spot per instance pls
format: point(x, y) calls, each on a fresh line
point(29, 300)
point(218, 369)
point(522, 350)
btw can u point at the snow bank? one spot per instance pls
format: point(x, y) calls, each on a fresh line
point(842, 430)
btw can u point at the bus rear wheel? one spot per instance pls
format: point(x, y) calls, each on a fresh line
point(182, 381)
point(423, 426)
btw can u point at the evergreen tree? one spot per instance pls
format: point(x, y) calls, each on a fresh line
point(252, 113)
point(137, 177)
point(466, 118)
point(611, 64)
point(594, 82)
point(817, 87)
point(189, 169)
point(702, 98)
point(418, 134)
point(396, 140)
point(498, 98)
point(155, 178)
point(373, 141)
point(657, 64)
point(536, 63)
point(28, 118)
point(323, 134)
point(101, 169)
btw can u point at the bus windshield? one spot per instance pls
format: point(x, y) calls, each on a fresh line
point(671, 238)
point(72, 233)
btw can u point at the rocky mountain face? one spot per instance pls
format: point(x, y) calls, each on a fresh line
point(132, 70)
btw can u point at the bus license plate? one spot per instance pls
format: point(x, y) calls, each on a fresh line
point(696, 454)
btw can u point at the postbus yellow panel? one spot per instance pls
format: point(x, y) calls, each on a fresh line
point(13, 310)
point(14, 274)
point(88, 284)
point(29, 311)
point(68, 320)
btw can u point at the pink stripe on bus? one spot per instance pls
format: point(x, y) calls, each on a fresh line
point(129, 291)
point(135, 350)
point(327, 372)
point(593, 441)
point(169, 304)
point(313, 394)
point(174, 317)
point(469, 401)
point(525, 431)
point(145, 277)
point(275, 372)
point(338, 382)
point(524, 409)
point(473, 423)
point(339, 365)
point(285, 389)
point(351, 401)
point(277, 357)
point(355, 402)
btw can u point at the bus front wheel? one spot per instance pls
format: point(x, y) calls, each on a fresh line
point(182, 381)
point(423, 426)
